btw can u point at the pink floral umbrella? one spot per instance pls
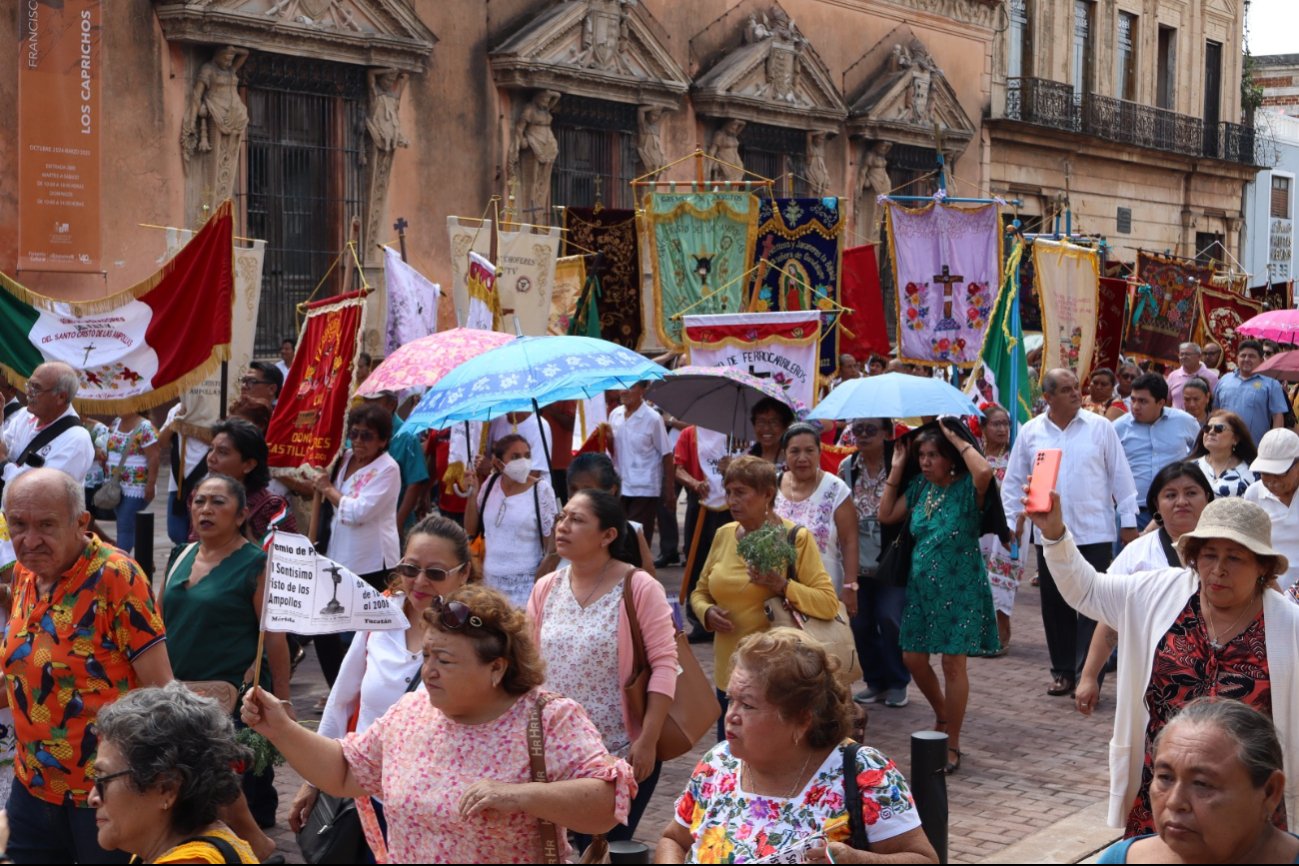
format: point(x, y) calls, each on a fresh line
point(717, 398)
point(1279, 325)
point(423, 362)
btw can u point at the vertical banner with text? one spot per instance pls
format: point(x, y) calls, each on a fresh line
point(60, 61)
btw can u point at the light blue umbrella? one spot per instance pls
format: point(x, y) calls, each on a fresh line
point(527, 373)
point(893, 395)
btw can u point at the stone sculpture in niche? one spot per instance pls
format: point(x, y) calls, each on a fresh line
point(215, 123)
point(874, 183)
point(383, 122)
point(818, 175)
point(649, 138)
point(532, 155)
point(605, 33)
point(920, 67)
point(726, 148)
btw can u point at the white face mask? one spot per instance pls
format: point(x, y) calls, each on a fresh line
point(517, 470)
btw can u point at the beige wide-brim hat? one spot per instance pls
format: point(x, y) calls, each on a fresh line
point(1234, 519)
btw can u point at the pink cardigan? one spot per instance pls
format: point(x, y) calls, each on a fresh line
point(656, 627)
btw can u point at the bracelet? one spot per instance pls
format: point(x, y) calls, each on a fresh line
point(966, 448)
point(890, 483)
point(854, 586)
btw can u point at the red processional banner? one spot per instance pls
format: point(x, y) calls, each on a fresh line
point(60, 60)
point(307, 426)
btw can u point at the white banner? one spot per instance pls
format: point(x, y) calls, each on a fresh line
point(781, 347)
point(525, 278)
point(1067, 279)
point(474, 236)
point(307, 593)
point(412, 302)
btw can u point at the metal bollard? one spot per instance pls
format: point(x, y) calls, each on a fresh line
point(929, 786)
point(144, 542)
point(629, 852)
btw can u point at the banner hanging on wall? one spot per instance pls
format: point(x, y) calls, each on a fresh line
point(60, 61)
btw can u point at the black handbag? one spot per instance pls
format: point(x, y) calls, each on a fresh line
point(333, 832)
point(895, 561)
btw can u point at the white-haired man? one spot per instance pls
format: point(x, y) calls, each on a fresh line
point(48, 432)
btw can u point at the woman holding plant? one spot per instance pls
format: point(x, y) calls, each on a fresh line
point(949, 602)
point(749, 563)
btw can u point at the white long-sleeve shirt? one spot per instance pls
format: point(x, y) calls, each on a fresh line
point(1094, 475)
point(71, 451)
point(377, 670)
point(363, 536)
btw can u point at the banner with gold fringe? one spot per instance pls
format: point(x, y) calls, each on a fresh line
point(1221, 313)
point(1164, 306)
point(141, 346)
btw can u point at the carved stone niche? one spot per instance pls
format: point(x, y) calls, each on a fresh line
point(373, 33)
point(773, 77)
point(602, 49)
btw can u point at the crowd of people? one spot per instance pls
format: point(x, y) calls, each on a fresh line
point(522, 714)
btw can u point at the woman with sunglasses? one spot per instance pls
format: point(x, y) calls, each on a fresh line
point(382, 666)
point(453, 764)
point(579, 617)
point(1224, 451)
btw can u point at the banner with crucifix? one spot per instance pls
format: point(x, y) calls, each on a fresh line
point(798, 257)
point(946, 264)
point(141, 346)
point(1068, 280)
point(701, 251)
point(781, 347)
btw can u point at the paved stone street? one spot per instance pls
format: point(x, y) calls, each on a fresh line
point(1030, 760)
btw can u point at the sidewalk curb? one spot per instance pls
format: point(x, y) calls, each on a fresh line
point(1075, 839)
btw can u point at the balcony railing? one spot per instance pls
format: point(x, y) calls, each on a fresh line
point(1057, 106)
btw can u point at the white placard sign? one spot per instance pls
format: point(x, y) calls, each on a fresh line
point(307, 593)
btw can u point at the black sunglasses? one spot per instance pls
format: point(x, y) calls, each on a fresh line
point(866, 430)
point(102, 782)
point(1215, 428)
point(410, 571)
point(362, 434)
point(455, 615)
point(250, 382)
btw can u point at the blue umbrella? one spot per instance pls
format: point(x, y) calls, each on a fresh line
point(527, 373)
point(893, 395)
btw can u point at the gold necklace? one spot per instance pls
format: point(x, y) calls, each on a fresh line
point(931, 505)
point(599, 581)
point(798, 780)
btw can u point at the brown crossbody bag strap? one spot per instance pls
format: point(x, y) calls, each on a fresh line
point(537, 757)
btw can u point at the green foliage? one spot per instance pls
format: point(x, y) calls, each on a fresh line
point(767, 549)
point(264, 754)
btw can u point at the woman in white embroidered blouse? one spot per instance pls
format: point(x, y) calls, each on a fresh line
point(1224, 451)
point(382, 666)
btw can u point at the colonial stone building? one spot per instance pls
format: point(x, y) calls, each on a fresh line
point(313, 113)
point(1129, 111)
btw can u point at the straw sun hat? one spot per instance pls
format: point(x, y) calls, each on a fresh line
point(1234, 519)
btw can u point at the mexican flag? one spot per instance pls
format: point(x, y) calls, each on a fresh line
point(140, 347)
point(1001, 376)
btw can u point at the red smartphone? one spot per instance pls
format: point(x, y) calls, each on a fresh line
point(1046, 471)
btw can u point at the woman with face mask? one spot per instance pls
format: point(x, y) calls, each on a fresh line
point(515, 513)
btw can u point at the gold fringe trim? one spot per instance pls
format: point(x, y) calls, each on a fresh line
point(452, 476)
point(194, 431)
point(114, 301)
point(1063, 249)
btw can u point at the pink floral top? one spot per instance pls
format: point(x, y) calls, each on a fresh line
point(420, 763)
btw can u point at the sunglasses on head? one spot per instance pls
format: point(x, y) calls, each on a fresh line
point(454, 615)
point(410, 571)
point(1215, 428)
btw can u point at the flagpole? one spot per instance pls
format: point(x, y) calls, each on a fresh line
point(261, 626)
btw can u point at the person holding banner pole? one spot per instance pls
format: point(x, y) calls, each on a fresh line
point(454, 765)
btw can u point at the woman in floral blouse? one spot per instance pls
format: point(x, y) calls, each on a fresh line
point(1004, 570)
point(808, 495)
point(775, 786)
point(133, 450)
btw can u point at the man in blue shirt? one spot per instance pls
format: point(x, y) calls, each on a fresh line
point(1256, 398)
point(1153, 435)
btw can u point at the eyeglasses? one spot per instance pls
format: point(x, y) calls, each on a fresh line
point(865, 431)
point(362, 434)
point(410, 571)
point(33, 389)
point(1215, 428)
point(102, 782)
point(249, 382)
point(455, 615)
point(1128, 377)
point(767, 424)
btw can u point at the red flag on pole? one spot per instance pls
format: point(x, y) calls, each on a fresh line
point(864, 329)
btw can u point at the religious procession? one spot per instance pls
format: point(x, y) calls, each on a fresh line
point(626, 431)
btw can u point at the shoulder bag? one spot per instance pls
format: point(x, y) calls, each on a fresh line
point(895, 561)
point(598, 850)
point(109, 494)
point(852, 797)
point(834, 634)
point(695, 708)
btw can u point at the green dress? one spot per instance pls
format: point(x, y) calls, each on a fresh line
point(949, 603)
point(212, 627)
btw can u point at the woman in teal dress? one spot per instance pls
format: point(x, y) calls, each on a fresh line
point(211, 604)
point(949, 603)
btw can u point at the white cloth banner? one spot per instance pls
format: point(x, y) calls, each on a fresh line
point(476, 237)
point(525, 278)
point(202, 403)
point(307, 593)
point(781, 347)
point(480, 314)
point(412, 302)
point(1067, 278)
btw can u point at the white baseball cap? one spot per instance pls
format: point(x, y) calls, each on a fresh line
point(1277, 452)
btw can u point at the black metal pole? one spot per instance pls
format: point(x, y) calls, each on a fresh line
point(545, 445)
point(629, 852)
point(225, 386)
point(929, 786)
point(144, 542)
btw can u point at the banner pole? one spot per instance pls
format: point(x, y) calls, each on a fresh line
point(313, 522)
point(261, 626)
point(225, 388)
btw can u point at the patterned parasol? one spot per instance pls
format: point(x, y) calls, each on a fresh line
point(422, 363)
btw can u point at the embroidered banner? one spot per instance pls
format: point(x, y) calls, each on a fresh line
point(1221, 313)
point(412, 302)
point(702, 248)
point(777, 346)
point(472, 236)
point(307, 427)
point(1275, 296)
point(800, 239)
point(525, 278)
point(1164, 306)
point(947, 266)
point(1111, 307)
point(1067, 283)
point(484, 306)
point(141, 346)
point(570, 276)
point(864, 329)
point(612, 235)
